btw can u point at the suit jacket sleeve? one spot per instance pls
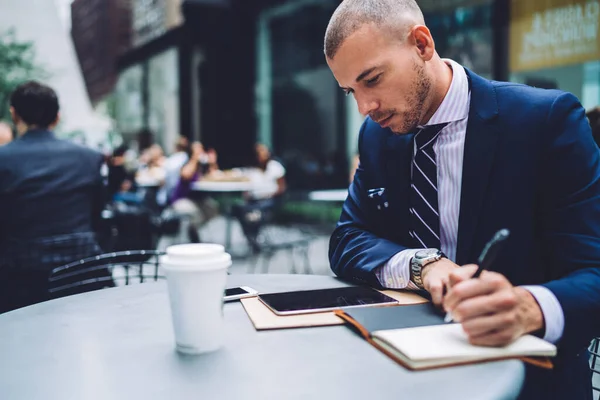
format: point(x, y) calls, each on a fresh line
point(357, 246)
point(571, 219)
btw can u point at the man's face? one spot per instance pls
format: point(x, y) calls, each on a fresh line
point(386, 77)
point(262, 153)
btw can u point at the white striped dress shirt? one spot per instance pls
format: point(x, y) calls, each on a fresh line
point(449, 150)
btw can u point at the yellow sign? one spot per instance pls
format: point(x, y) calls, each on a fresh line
point(549, 33)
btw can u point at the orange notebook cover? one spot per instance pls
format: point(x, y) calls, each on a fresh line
point(421, 342)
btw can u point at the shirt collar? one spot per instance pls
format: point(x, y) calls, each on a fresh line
point(455, 105)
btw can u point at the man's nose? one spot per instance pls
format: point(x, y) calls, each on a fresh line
point(366, 105)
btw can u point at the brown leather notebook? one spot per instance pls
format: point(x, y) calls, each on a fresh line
point(416, 338)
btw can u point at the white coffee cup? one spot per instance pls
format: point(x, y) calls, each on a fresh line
point(196, 277)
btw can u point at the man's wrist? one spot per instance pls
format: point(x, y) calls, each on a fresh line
point(534, 318)
point(429, 267)
point(421, 260)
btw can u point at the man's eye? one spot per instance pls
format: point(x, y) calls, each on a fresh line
point(373, 81)
point(348, 92)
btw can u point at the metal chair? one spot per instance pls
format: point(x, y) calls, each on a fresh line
point(593, 349)
point(273, 239)
point(136, 266)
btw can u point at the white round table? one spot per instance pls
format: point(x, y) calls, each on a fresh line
point(333, 195)
point(222, 187)
point(229, 189)
point(118, 344)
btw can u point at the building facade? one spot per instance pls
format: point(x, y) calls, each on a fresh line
point(39, 22)
point(101, 32)
point(556, 44)
point(147, 94)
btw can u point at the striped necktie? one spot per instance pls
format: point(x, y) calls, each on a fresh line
point(424, 214)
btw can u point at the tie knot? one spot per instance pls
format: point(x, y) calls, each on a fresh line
point(427, 136)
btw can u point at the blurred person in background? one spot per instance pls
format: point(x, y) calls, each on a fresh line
point(117, 171)
point(126, 192)
point(173, 166)
point(268, 180)
point(198, 207)
point(210, 163)
point(152, 169)
point(594, 119)
point(51, 198)
point(6, 133)
point(151, 176)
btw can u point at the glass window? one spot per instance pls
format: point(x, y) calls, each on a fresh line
point(464, 34)
point(163, 98)
point(128, 97)
point(302, 105)
point(554, 45)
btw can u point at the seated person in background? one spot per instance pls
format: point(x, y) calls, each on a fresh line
point(268, 180)
point(594, 119)
point(6, 134)
point(173, 166)
point(51, 199)
point(198, 207)
point(210, 162)
point(126, 194)
point(152, 171)
point(117, 171)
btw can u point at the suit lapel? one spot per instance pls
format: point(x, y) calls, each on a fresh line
point(479, 152)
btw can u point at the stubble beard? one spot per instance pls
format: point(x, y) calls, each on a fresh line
point(420, 90)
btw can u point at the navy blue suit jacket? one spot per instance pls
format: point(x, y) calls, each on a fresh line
point(530, 165)
point(48, 187)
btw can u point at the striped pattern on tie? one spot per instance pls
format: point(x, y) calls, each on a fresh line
point(424, 211)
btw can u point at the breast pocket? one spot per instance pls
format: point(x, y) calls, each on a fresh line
point(378, 199)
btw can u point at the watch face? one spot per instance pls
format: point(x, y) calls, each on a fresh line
point(426, 253)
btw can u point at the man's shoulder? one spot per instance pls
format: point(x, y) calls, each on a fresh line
point(10, 150)
point(78, 148)
point(520, 95)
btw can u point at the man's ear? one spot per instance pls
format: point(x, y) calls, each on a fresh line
point(14, 116)
point(423, 41)
point(56, 121)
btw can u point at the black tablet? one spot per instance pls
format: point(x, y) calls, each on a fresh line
point(311, 301)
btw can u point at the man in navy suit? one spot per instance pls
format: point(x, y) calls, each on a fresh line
point(448, 158)
point(51, 197)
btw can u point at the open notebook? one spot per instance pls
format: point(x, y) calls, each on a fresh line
point(417, 338)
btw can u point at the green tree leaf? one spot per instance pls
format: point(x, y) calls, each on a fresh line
point(18, 64)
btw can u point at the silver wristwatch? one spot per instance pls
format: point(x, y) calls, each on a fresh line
point(420, 260)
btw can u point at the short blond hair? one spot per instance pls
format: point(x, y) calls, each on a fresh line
point(395, 15)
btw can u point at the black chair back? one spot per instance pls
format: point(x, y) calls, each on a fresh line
point(105, 270)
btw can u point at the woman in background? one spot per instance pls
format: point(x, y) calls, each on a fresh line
point(268, 181)
point(198, 207)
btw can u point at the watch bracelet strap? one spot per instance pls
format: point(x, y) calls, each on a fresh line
point(414, 278)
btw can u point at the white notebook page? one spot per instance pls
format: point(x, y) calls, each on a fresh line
point(449, 341)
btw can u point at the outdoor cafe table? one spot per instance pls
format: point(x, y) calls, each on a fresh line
point(118, 344)
point(228, 190)
point(331, 195)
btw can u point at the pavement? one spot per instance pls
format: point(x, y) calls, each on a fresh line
point(280, 263)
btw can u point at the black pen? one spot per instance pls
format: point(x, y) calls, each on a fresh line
point(487, 257)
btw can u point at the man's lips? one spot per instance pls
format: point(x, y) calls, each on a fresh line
point(383, 122)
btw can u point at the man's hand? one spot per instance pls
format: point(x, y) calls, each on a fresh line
point(436, 277)
point(491, 310)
